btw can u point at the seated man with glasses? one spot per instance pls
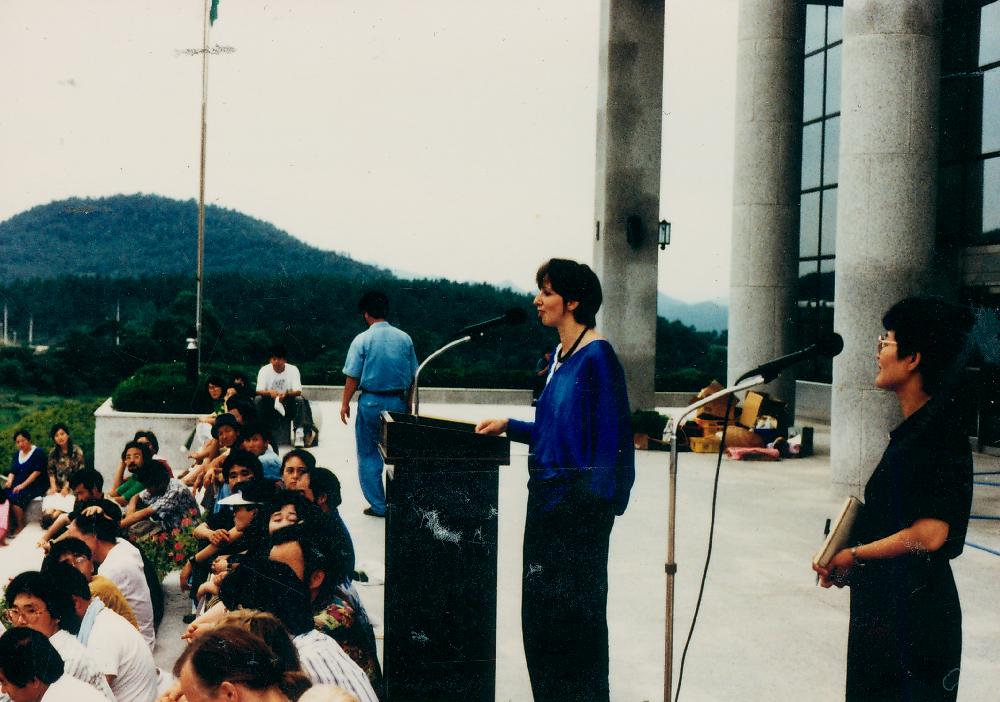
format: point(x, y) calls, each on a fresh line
point(77, 554)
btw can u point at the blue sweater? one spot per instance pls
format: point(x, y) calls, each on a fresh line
point(582, 430)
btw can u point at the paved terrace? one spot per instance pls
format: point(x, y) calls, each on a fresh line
point(765, 631)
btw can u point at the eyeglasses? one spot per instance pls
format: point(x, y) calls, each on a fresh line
point(28, 614)
point(883, 342)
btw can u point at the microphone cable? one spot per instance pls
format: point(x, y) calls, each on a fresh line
point(708, 553)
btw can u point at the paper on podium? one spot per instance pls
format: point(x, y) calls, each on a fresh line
point(840, 532)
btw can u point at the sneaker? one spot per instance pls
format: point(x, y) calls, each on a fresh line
point(300, 440)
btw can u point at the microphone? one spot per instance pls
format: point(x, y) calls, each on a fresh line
point(514, 315)
point(829, 346)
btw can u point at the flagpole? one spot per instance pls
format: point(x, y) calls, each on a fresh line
point(201, 184)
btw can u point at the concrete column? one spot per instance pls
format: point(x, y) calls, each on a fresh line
point(630, 98)
point(885, 211)
point(767, 173)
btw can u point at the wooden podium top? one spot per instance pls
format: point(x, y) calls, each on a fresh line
point(408, 437)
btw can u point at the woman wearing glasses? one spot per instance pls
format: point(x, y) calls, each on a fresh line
point(905, 636)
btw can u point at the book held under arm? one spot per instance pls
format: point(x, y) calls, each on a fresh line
point(840, 532)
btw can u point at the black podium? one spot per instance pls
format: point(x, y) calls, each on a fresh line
point(440, 558)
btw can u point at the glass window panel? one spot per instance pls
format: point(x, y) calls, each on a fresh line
point(991, 198)
point(825, 286)
point(828, 238)
point(991, 111)
point(833, 80)
point(811, 155)
point(815, 27)
point(834, 26)
point(989, 34)
point(808, 277)
point(812, 96)
point(809, 225)
point(831, 151)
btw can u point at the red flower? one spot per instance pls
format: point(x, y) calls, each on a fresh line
point(185, 522)
point(179, 557)
point(178, 546)
point(175, 532)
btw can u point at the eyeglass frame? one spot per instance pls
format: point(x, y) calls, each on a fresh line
point(21, 615)
point(883, 342)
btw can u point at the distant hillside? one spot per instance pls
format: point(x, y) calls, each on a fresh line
point(703, 316)
point(135, 235)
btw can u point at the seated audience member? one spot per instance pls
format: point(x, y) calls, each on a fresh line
point(162, 506)
point(243, 409)
point(306, 549)
point(31, 670)
point(118, 560)
point(230, 663)
point(125, 485)
point(75, 553)
point(85, 484)
point(24, 480)
point(203, 428)
point(254, 439)
point(239, 466)
point(65, 458)
point(118, 648)
point(145, 436)
point(37, 602)
point(225, 435)
point(279, 395)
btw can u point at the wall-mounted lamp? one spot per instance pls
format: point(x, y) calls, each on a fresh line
point(664, 237)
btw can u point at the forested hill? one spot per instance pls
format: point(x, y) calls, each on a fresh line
point(137, 235)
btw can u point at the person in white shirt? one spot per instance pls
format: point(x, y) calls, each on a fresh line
point(119, 650)
point(279, 392)
point(31, 670)
point(35, 601)
point(117, 560)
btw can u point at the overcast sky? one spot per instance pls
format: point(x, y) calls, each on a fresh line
point(450, 138)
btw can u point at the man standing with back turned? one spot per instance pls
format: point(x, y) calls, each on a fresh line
point(382, 364)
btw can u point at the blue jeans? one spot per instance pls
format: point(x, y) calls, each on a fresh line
point(366, 432)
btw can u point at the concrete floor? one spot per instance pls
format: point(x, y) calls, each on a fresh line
point(765, 631)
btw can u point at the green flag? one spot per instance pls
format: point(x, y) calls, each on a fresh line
point(213, 14)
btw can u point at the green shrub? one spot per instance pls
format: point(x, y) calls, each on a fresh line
point(648, 422)
point(164, 387)
point(78, 415)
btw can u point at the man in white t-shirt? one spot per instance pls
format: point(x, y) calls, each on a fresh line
point(31, 670)
point(117, 560)
point(118, 649)
point(279, 394)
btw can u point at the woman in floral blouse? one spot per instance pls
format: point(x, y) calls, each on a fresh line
point(65, 458)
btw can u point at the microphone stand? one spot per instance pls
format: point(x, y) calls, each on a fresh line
point(671, 566)
point(416, 377)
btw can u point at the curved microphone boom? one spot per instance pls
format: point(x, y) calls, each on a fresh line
point(515, 315)
point(827, 346)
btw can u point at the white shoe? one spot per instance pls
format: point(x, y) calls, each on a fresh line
point(299, 438)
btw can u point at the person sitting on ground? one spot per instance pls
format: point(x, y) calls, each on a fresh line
point(118, 648)
point(279, 394)
point(254, 439)
point(240, 465)
point(162, 506)
point(85, 484)
point(146, 436)
point(31, 670)
point(225, 435)
point(37, 602)
point(77, 554)
point(65, 458)
point(202, 432)
point(125, 485)
point(24, 480)
point(243, 409)
point(240, 386)
point(117, 559)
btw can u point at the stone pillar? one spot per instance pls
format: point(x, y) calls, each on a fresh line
point(885, 210)
point(767, 173)
point(630, 98)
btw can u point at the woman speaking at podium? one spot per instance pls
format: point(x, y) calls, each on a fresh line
point(581, 467)
point(905, 635)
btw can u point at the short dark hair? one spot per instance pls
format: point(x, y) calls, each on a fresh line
point(574, 282)
point(26, 655)
point(103, 526)
point(216, 381)
point(150, 437)
point(322, 481)
point(307, 458)
point(56, 427)
point(57, 600)
point(936, 329)
point(319, 552)
point(253, 428)
point(239, 457)
point(152, 473)
point(277, 350)
point(88, 477)
point(69, 579)
point(147, 454)
point(242, 405)
point(65, 545)
point(375, 303)
point(21, 432)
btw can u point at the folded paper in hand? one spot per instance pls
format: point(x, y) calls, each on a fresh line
point(840, 532)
